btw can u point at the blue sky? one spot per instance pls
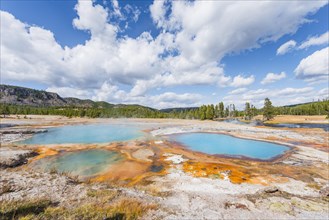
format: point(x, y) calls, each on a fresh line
point(168, 53)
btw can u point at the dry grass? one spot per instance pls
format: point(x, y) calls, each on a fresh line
point(103, 195)
point(132, 209)
point(296, 119)
point(21, 208)
point(99, 204)
point(75, 179)
point(314, 185)
point(125, 208)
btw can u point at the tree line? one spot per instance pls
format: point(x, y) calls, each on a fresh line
point(204, 112)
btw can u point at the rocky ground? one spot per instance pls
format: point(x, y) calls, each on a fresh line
point(292, 187)
point(14, 134)
point(14, 157)
point(206, 198)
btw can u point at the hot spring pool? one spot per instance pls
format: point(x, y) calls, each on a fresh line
point(86, 134)
point(84, 163)
point(230, 146)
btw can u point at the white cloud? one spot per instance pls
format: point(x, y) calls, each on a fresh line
point(324, 92)
point(239, 81)
point(194, 37)
point(70, 92)
point(272, 77)
point(134, 11)
point(313, 41)
point(315, 67)
point(293, 91)
point(171, 100)
point(237, 91)
point(113, 94)
point(279, 97)
point(29, 52)
point(116, 8)
point(316, 41)
point(158, 12)
point(200, 23)
point(92, 18)
point(286, 47)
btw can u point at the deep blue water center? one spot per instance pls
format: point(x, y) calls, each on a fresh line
point(86, 134)
point(230, 146)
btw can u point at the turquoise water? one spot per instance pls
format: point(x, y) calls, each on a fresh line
point(228, 145)
point(84, 163)
point(86, 134)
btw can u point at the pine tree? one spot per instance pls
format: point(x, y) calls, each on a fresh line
point(326, 109)
point(234, 111)
point(217, 111)
point(268, 112)
point(221, 109)
point(227, 112)
point(247, 112)
point(4, 110)
point(210, 112)
point(253, 111)
point(202, 112)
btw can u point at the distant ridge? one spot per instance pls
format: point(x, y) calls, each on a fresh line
point(306, 103)
point(26, 96)
point(17, 95)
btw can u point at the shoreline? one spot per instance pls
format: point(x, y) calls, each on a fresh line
point(194, 176)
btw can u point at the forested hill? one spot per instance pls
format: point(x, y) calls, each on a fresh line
point(16, 95)
point(19, 100)
point(25, 96)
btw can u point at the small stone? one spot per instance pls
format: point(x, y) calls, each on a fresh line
point(271, 189)
point(324, 191)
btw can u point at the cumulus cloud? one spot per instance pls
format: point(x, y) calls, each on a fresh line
point(71, 92)
point(315, 67)
point(200, 23)
point(29, 52)
point(315, 41)
point(272, 77)
point(286, 47)
point(324, 92)
point(237, 91)
point(158, 11)
point(92, 18)
point(115, 95)
point(293, 91)
point(279, 97)
point(187, 50)
point(239, 81)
